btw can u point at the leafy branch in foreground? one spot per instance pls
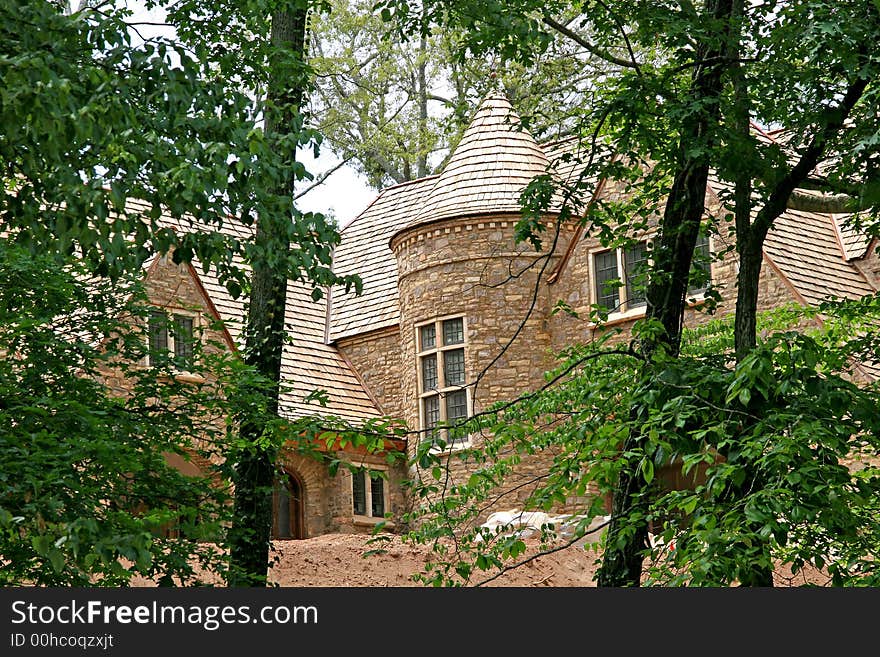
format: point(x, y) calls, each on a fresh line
point(789, 414)
point(87, 495)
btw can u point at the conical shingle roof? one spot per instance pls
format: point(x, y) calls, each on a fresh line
point(492, 164)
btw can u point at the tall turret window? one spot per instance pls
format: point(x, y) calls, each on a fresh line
point(443, 395)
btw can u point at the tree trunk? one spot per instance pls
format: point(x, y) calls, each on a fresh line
point(250, 533)
point(750, 239)
point(667, 289)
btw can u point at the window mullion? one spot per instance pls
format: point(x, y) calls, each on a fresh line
point(441, 376)
point(621, 275)
point(368, 494)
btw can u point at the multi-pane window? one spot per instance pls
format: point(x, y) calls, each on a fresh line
point(368, 494)
point(635, 266)
point(621, 275)
point(606, 270)
point(171, 335)
point(443, 395)
point(702, 265)
point(614, 266)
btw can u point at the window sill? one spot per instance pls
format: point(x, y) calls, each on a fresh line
point(696, 300)
point(638, 313)
point(452, 449)
point(620, 318)
point(180, 377)
point(188, 377)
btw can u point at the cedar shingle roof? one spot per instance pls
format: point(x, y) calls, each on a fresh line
point(364, 250)
point(307, 363)
point(855, 243)
point(804, 246)
point(492, 164)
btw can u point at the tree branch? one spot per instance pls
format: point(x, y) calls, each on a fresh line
point(319, 180)
point(589, 47)
point(826, 203)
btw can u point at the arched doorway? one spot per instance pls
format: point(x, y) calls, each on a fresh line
point(287, 507)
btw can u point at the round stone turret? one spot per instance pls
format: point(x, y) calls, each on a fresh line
point(459, 267)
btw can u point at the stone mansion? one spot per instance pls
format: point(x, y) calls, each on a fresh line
point(438, 332)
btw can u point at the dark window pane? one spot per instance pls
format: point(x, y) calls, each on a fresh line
point(453, 331)
point(282, 508)
point(429, 372)
point(377, 497)
point(359, 493)
point(456, 405)
point(636, 265)
point(158, 330)
point(432, 415)
point(432, 411)
point(428, 337)
point(701, 268)
point(183, 339)
point(453, 367)
point(606, 270)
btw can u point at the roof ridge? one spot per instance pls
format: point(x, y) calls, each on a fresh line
point(382, 192)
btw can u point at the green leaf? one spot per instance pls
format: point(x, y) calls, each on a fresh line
point(648, 470)
point(56, 558)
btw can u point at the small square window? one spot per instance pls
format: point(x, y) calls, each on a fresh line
point(453, 331)
point(428, 337)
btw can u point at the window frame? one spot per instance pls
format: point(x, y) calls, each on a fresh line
point(625, 309)
point(699, 293)
point(366, 470)
point(171, 314)
point(442, 391)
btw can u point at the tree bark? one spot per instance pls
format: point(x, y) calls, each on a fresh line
point(622, 560)
point(750, 239)
point(250, 533)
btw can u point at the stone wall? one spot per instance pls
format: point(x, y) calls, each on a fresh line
point(376, 358)
point(870, 264)
point(472, 268)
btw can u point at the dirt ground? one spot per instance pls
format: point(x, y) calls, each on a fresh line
point(353, 560)
point(337, 560)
